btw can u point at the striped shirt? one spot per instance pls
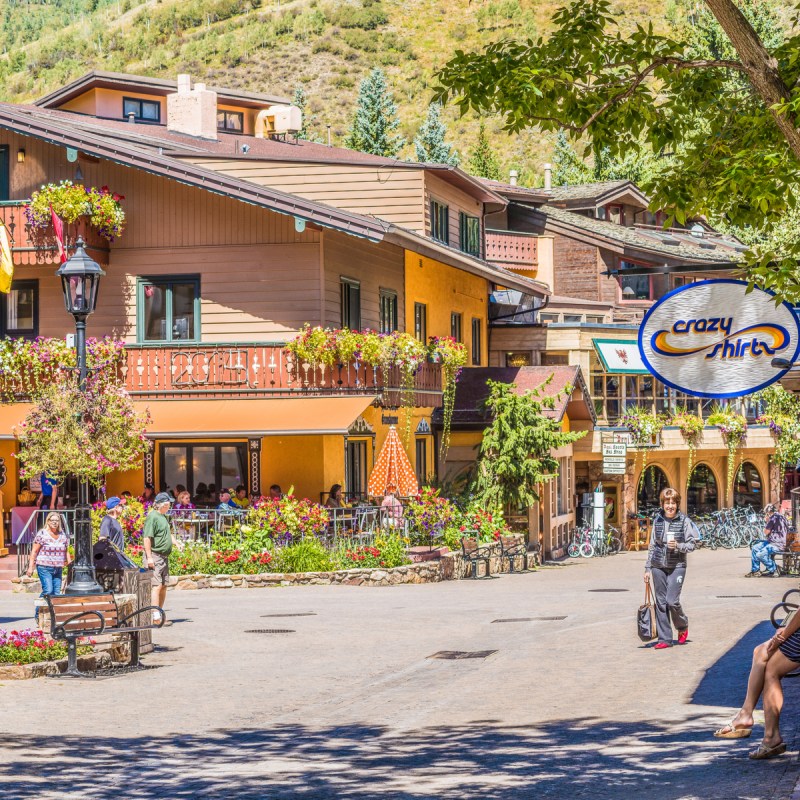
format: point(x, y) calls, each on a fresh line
point(53, 552)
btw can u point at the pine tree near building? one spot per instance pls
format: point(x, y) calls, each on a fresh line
point(375, 120)
point(569, 168)
point(301, 101)
point(483, 162)
point(430, 145)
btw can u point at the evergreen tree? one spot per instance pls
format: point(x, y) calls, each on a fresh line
point(301, 101)
point(375, 120)
point(516, 450)
point(430, 145)
point(483, 161)
point(568, 167)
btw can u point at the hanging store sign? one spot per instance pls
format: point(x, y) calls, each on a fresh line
point(712, 339)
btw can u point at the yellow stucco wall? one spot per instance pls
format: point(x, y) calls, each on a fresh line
point(443, 290)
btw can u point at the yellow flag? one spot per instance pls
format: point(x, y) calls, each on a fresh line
point(6, 262)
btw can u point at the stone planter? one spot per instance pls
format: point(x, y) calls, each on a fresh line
point(21, 672)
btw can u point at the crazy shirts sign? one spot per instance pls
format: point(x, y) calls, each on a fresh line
point(712, 339)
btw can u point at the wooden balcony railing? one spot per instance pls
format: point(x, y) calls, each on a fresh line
point(512, 249)
point(254, 370)
point(29, 246)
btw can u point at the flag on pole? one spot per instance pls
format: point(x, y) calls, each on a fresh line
point(6, 262)
point(58, 228)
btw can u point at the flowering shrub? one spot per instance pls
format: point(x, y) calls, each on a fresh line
point(387, 551)
point(691, 428)
point(285, 519)
point(733, 427)
point(29, 367)
point(362, 557)
point(85, 434)
point(70, 201)
point(29, 646)
point(429, 516)
point(131, 517)
point(782, 414)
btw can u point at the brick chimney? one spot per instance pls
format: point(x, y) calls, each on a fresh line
point(192, 111)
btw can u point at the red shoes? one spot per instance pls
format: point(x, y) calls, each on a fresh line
point(683, 636)
point(662, 646)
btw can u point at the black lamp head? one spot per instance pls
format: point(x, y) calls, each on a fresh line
point(80, 280)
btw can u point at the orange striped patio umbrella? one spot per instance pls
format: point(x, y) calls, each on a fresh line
point(392, 467)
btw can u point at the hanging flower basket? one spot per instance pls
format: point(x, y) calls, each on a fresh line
point(73, 201)
point(733, 427)
point(691, 428)
point(645, 427)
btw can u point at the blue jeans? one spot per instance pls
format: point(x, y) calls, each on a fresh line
point(50, 578)
point(762, 554)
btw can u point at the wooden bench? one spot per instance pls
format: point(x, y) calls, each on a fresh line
point(74, 617)
point(473, 553)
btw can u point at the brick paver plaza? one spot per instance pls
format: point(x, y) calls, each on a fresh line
point(350, 705)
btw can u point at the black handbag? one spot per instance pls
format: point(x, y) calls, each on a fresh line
point(646, 617)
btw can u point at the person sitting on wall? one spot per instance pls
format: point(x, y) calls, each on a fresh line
point(110, 527)
point(240, 499)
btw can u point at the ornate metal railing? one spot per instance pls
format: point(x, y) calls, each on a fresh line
point(258, 370)
point(513, 249)
point(29, 246)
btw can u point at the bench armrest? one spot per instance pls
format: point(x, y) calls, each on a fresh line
point(64, 633)
point(159, 624)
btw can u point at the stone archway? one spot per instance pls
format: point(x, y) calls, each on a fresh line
point(702, 494)
point(655, 480)
point(748, 488)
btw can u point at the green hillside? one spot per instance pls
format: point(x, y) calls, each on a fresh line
point(324, 46)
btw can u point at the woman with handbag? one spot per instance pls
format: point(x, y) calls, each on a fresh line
point(674, 535)
point(771, 662)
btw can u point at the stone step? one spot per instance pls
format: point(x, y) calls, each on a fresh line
point(5, 585)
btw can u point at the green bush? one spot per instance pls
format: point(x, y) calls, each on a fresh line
point(326, 46)
point(360, 40)
point(352, 16)
point(308, 555)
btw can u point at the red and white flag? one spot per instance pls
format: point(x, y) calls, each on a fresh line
point(58, 228)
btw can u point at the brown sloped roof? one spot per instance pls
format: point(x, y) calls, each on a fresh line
point(58, 128)
point(472, 391)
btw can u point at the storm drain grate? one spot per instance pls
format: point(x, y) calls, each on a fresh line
point(609, 590)
point(271, 630)
point(528, 619)
point(298, 614)
point(454, 655)
point(728, 596)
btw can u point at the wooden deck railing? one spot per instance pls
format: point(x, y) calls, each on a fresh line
point(29, 246)
point(254, 370)
point(512, 249)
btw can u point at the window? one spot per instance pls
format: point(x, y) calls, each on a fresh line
point(635, 287)
point(476, 342)
point(594, 320)
point(422, 461)
point(440, 222)
point(145, 110)
point(455, 326)
point(562, 483)
point(388, 311)
point(19, 310)
point(230, 121)
point(573, 317)
point(201, 465)
point(4, 174)
point(421, 322)
point(555, 359)
point(469, 233)
point(548, 317)
point(169, 309)
point(356, 469)
point(519, 359)
point(351, 304)
point(616, 215)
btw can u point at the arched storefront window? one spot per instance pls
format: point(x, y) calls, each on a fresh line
point(702, 495)
point(748, 489)
point(650, 489)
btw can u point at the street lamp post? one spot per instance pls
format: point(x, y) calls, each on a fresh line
point(80, 280)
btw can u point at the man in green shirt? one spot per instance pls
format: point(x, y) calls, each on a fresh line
point(158, 540)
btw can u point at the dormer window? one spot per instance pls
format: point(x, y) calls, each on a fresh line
point(145, 110)
point(230, 121)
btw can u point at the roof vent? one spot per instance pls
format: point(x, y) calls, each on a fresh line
point(548, 177)
point(512, 177)
point(276, 121)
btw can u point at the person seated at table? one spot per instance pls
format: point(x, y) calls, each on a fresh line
point(148, 494)
point(240, 499)
point(110, 527)
point(184, 502)
point(179, 488)
point(335, 497)
point(392, 508)
point(201, 495)
point(124, 497)
point(212, 494)
point(275, 492)
point(225, 502)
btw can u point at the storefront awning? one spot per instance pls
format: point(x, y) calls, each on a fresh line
point(620, 355)
point(279, 416)
point(10, 417)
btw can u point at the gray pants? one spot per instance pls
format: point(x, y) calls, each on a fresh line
point(667, 585)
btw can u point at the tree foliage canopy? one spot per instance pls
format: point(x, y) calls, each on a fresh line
point(719, 104)
point(375, 120)
point(430, 145)
point(516, 450)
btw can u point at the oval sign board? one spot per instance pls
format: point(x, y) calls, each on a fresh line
point(712, 339)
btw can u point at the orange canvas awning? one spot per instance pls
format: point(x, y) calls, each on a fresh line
point(392, 467)
point(285, 416)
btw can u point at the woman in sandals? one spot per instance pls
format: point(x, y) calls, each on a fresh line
point(674, 535)
point(771, 662)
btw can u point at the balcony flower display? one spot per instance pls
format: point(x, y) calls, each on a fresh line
point(733, 427)
point(71, 201)
point(691, 427)
point(645, 426)
point(782, 414)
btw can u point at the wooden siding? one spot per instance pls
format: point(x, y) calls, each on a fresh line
point(456, 199)
point(375, 266)
point(395, 195)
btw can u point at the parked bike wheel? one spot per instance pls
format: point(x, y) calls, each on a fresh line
point(573, 551)
point(587, 550)
point(614, 545)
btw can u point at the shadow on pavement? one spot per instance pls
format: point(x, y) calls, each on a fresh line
point(575, 758)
